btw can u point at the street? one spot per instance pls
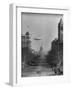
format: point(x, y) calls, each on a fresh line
point(32, 71)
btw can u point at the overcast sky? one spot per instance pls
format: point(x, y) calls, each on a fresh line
point(41, 26)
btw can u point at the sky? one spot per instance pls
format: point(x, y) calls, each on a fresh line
point(40, 26)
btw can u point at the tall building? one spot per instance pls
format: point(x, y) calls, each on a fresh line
point(26, 40)
point(60, 30)
point(41, 51)
point(26, 47)
point(56, 54)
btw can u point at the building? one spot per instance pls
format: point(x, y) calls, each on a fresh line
point(26, 47)
point(59, 42)
point(60, 30)
point(41, 53)
point(55, 56)
point(26, 40)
